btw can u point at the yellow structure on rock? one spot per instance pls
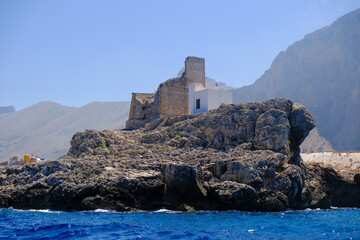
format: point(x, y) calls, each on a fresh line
point(26, 158)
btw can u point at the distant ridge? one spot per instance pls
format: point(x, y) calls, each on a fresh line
point(46, 128)
point(8, 109)
point(322, 72)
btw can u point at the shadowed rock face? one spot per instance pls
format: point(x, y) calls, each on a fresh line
point(242, 157)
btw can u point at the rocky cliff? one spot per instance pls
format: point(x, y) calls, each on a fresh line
point(243, 157)
point(322, 72)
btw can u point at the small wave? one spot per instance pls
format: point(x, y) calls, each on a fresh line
point(102, 210)
point(35, 210)
point(43, 211)
point(313, 209)
point(164, 210)
point(99, 210)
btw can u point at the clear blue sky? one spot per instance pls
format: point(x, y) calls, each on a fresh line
point(78, 51)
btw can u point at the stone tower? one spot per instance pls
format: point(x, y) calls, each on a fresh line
point(194, 70)
point(170, 99)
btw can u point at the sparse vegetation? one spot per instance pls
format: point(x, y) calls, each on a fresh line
point(149, 135)
point(168, 148)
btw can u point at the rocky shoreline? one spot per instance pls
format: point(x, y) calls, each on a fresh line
point(341, 161)
point(241, 157)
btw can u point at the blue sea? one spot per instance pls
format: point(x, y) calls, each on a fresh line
point(102, 224)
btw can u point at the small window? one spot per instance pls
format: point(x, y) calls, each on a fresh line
point(197, 103)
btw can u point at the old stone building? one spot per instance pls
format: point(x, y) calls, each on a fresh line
point(172, 98)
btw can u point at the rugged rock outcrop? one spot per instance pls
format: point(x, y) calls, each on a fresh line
point(243, 157)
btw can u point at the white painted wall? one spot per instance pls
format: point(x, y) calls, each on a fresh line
point(210, 98)
point(200, 94)
point(226, 97)
point(213, 98)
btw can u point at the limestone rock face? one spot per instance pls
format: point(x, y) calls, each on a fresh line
point(302, 122)
point(233, 195)
point(243, 157)
point(320, 71)
point(184, 181)
point(272, 131)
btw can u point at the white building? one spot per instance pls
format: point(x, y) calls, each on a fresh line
point(203, 99)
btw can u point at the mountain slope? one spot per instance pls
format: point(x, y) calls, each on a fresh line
point(315, 143)
point(8, 109)
point(46, 128)
point(321, 71)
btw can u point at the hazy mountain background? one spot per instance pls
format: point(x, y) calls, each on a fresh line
point(7, 109)
point(45, 129)
point(322, 72)
point(315, 143)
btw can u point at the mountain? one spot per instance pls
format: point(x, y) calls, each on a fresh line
point(46, 128)
point(315, 143)
point(8, 109)
point(322, 72)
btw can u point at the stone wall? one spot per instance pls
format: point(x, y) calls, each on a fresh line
point(170, 99)
point(195, 70)
point(142, 110)
point(141, 105)
point(173, 98)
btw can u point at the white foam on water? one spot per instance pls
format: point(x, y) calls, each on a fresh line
point(102, 210)
point(164, 210)
point(43, 210)
point(36, 210)
point(99, 210)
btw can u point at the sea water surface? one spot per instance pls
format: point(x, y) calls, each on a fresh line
point(102, 224)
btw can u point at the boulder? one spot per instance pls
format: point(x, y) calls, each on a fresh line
point(272, 131)
point(301, 123)
point(183, 182)
point(233, 195)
